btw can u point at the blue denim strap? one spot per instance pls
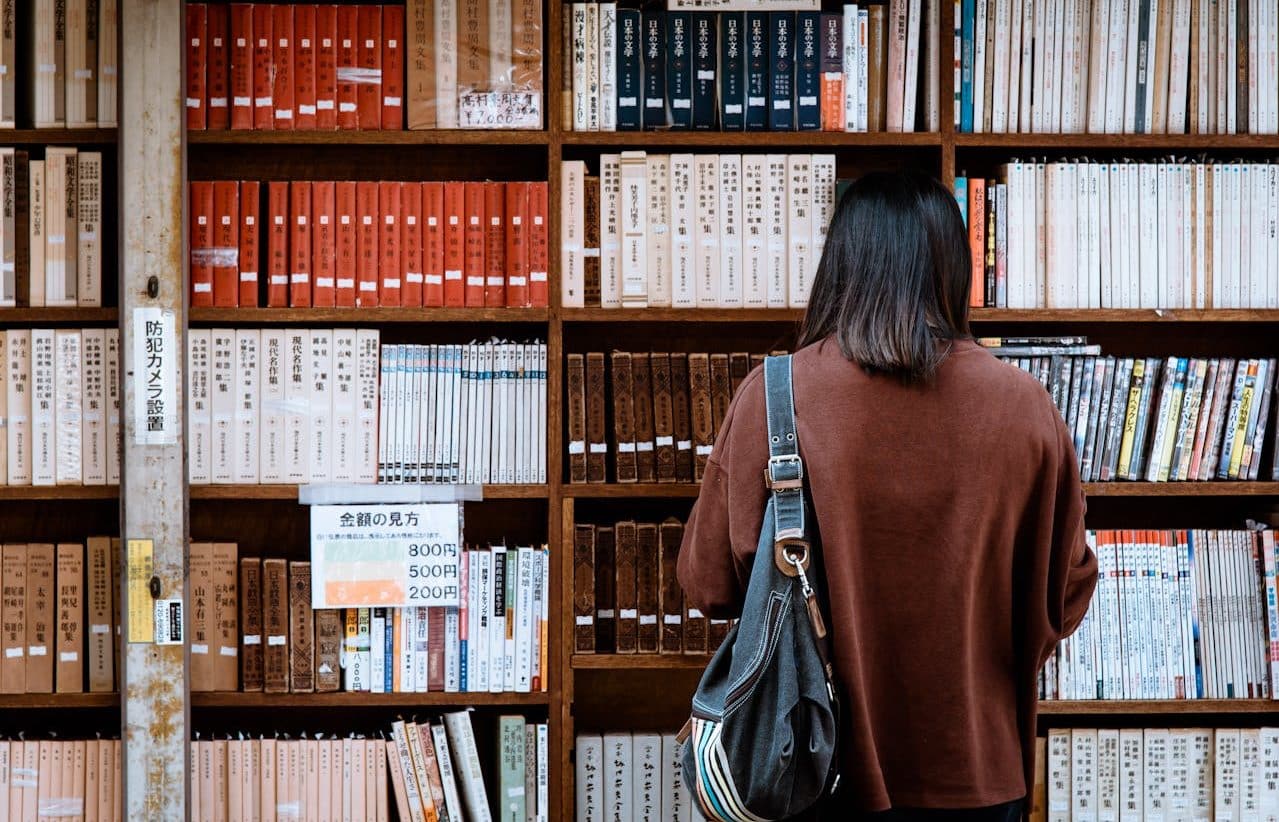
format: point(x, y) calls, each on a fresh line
point(785, 472)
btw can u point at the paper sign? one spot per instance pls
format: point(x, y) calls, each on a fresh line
point(139, 568)
point(366, 556)
point(168, 622)
point(155, 356)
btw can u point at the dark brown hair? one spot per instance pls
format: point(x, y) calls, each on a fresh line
point(892, 284)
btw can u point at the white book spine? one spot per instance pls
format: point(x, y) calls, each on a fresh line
point(1226, 775)
point(706, 239)
point(589, 785)
point(247, 409)
point(525, 626)
point(199, 409)
point(581, 83)
point(448, 765)
point(979, 64)
point(377, 651)
point(345, 401)
point(1155, 780)
point(863, 69)
point(43, 432)
point(452, 661)
point(1108, 775)
point(297, 397)
point(849, 56)
point(633, 215)
point(593, 72)
point(111, 371)
point(573, 229)
point(1268, 799)
point(607, 66)
point(467, 762)
point(1058, 775)
point(4, 410)
point(222, 384)
point(754, 231)
point(730, 231)
point(1083, 775)
point(1131, 775)
point(271, 386)
point(823, 205)
point(618, 764)
point(610, 231)
point(682, 221)
point(69, 414)
point(658, 232)
point(801, 261)
point(646, 782)
point(89, 229)
point(321, 405)
point(1002, 58)
point(776, 226)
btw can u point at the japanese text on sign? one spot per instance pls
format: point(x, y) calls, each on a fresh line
point(365, 556)
point(155, 356)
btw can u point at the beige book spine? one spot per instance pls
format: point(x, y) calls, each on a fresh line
point(108, 18)
point(39, 616)
point(37, 263)
point(69, 669)
point(100, 594)
point(89, 229)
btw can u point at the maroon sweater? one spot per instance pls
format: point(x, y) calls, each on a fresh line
point(952, 524)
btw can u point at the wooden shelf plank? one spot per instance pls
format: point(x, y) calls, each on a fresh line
point(1199, 707)
point(978, 315)
point(638, 490)
point(88, 316)
point(752, 139)
point(681, 315)
point(58, 136)
point(639, 662)
point(1092, 489)
point(458, 137)
point(59, 701)
point(290, 492)
point(1118, 141)
point(58, 492)
point(340, 699)
point(364, 316)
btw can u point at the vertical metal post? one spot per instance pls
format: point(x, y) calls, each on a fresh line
point(154, 686)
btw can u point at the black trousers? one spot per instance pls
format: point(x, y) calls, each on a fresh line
point(1006, 812)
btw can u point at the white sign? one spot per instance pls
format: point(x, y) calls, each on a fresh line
point(155, 356)
point(366, 556)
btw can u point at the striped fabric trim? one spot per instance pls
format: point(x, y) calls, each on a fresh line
point(716, 794)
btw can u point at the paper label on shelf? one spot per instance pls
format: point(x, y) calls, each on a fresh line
point(155, 354)
point(139, 566)
point(168, 622)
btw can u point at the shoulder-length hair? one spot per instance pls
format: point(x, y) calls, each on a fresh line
point(893, 281)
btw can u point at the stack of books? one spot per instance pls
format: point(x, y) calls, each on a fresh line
point(77, 779)
point(631, 776)
point(69, 62)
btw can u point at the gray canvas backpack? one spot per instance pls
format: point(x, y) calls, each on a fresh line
point(761, 742)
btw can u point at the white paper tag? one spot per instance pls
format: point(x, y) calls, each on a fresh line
point(169, 623)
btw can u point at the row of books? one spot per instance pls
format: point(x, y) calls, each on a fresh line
point(632, 776)
point(1155, 419)
point(694, 230)
point(69, 62)
point(626, 597)
point(864, 68)
point(1157, 773)
point(463, 413)
point(51, 228)
point(430, 63)
point(60, 617)
point(1124, 235)
point(666, 409)
point(60, 410)
point(436, 771)
point(62, 778)
point(1117, 66)
point(388, 243)
point(1176, 615)
point(253, 629)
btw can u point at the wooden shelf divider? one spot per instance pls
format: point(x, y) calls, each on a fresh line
point(290, 492)
point(344, 699)
point(348, 137)
point(640, 662)
point(59, 136)
point(1222, 488)
point(68, 702)
point(58, 492)
point(363, 316)
point(61, 315)
point(1156, 707)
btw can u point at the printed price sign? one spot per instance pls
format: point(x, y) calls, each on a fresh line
point(366, 556)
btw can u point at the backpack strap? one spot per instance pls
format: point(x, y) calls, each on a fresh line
point(784, 476)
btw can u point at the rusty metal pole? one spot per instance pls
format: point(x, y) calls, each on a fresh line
point(154, 683)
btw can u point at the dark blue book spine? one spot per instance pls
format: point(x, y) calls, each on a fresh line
point(388, 650)
point(655, 69)
point(628, 70)
point(705, 59)
point(756, 71)
point(781, 61)
point(732, 72)
point(968, 12)
point(679, 68)
point(832, 80)
point(808, 76)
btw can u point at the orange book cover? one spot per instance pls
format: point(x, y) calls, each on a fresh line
point(282, 66)
point(249, 243)
point(368, 91)
point(389, 243)
point(832, 101)
point(300, 244)
point(41, 598)
point(348, 64)
point(345, 243)
point(433, 245)
point(977, 240)
point(392, 67)
point(411, 245)
point(277, 245)
point(494, 245)
point(366, 244)
point(517, 245)
point(201, 243)
point(197, 67)
point(69, 665)
point(473, 270)
point(263, 71)
point(326, 67)
point(240, 60)
point(304, 66)
point(324, 244)
point(454, 243)
point(226, 245)
point(539, 246)
point(216, 76)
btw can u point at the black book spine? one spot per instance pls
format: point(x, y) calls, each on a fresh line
point(732, 71)
point(808, 79)
point(781, 59)
point(705, 58)
point(655, 69)
point(757, 71)
point(679, 68)
point(832, 79)
point(628, 70)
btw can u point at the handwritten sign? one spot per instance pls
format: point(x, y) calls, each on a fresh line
point(500, 109)
point(365, 556)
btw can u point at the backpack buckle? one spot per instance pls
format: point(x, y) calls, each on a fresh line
point(784, 473)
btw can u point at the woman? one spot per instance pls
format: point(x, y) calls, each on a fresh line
point(951, 515)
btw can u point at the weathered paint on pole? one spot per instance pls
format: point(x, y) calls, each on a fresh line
point(153, 492)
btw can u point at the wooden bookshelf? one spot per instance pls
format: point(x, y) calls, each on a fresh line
point(349, 137)
point(290, 492)
point(59, 137)
point(363, 316)
point(59, 702)
point(1156, 707)
point(639, 662)
point(681, 490)
point(58, 492)
point(263, 701)
point(69, 315)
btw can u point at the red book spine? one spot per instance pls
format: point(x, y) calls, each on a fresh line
point(304, 66)
point(517, 245)
point(201, 243)
point(393, 67)
point(389, 247)
point(300, 245)
point(495, 245)
point(454, 244)
point(217, 78)
point(433, 245)
point(282, 66)
point(348, 67)
point(241, 68)
point(197, 66)
point(263, 67)
point(345, 244)
point(369, 88)
point(366, 265)
point(473, 269)
point(538, 247)
point(323, 244)
point(326, 67)
point(249, 233)
point(411, 243)
point(277, 245)
point(226, 245)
